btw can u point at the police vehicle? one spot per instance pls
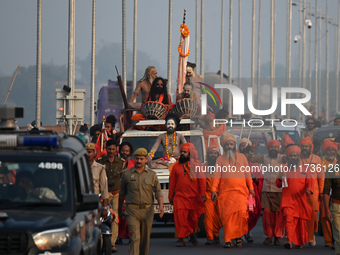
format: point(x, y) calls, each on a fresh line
point(47, 199)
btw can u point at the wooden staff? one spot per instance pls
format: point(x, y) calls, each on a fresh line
point(12, 83)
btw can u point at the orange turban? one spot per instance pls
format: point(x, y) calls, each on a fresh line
point(307, 140)
point(189, 147)
point(273, 142)
point(225, 137)
point(286, 140)
point(293, 148)
point(328, 143)
point(213, 148)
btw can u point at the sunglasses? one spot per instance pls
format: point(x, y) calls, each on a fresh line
point(310, 123)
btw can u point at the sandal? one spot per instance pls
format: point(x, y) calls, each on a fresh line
point(239, 242)
point(180, 243)
point(288, 245)
point(227, 245)
point(192, 239)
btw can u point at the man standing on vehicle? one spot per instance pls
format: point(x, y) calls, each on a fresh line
point(113, 167)
point(233, 187)
point(330, 149)
point(271, 194)
point(187, 194)
point(99, 177)
point(313, 163)
point(212, 222)
point(297, 185)
point(138, 184)
point(143, 85)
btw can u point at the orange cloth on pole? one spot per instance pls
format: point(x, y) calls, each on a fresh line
point(212, 221)
point(272, 223)
point(186, 195)
point(294, 206)
point(233, 192)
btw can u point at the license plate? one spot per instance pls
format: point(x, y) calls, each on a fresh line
point(167, 208)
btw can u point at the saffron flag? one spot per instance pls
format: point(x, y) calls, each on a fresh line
point(184, 51)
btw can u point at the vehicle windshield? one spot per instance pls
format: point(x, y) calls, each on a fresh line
point(148, 142)
point(32, 182)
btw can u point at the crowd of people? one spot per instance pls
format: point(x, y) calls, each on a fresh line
point(231, 200)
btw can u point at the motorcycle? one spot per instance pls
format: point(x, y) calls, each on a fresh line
point(106, 232)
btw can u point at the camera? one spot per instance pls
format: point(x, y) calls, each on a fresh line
point(308, 23)
point(296, 38)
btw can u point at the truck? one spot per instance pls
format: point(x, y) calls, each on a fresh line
point(144, 134)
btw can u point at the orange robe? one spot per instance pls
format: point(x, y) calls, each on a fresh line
point(294, 206)
point(212, 222)
point(313, 200)
point(326, 225)
point(256, 213)
point(186, 194)
point(233, 192)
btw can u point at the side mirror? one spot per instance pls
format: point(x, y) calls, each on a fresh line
point(89, 202)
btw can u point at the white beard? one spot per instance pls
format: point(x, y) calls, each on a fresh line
point(230, 155)
point(151, 80)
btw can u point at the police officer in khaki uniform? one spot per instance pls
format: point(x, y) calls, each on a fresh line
point(99, 177)
point(113, 167)
point(138, 185)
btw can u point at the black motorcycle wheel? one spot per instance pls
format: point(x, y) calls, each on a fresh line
point(106, 248)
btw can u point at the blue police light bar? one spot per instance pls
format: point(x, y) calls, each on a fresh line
point(47, 141)
point(29, 141)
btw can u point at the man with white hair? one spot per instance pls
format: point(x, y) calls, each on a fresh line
point(233, 187)
point(143, 85)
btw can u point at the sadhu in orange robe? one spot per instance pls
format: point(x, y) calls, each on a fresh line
point(294, 206)
point(233, 192)
point(212, 222)
point(186, 194)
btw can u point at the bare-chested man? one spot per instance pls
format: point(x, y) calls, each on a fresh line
point(143, 85)
point(195, 79)
point(171, 142)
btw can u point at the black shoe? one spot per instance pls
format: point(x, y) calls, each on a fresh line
point(119, 241)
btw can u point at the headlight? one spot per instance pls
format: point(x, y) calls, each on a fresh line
point(50, 239)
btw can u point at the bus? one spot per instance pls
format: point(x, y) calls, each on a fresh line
point(110, 101)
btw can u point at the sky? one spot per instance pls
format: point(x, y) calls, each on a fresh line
point(18, 19)
point(18, 26)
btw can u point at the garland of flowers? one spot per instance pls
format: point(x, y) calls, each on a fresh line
point(152, 154)
point(173, 146)
point(181, 53)
point(185, 30)
point(324, 162)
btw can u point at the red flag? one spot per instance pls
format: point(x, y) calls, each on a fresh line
point(184, 51)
